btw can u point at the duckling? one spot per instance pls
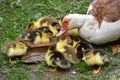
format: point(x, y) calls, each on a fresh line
point(44, 21)
point(95, 57)
point(40, 35)
point(78, 44)
point(67, 50)
point(15, 48)
point(56, 59)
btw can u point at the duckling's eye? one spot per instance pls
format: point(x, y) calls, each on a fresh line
point(48, 33)
point(21, 44)
point(87, 54)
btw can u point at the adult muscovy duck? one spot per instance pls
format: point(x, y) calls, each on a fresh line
point(100, 25)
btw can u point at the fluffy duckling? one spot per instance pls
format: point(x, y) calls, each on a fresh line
point(95, 57)
point(16, 48)
point(56, 59)
point(78, 44)
point(44, 21)
point(40, 35)
point(67, 50)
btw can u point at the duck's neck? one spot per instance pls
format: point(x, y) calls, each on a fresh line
point(81, 19)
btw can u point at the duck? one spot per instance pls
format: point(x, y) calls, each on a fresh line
point(100, 25)
point(37, 36)
point(95, 57)
point(78, 44)
point(43, 21)
point(67, 50)
point(15, 48)
point(56, 59)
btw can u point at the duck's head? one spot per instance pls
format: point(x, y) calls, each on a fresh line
point(69, 22)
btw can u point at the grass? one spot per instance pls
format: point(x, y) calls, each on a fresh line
point(14, 18)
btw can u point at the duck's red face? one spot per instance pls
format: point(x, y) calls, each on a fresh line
point(64, 27)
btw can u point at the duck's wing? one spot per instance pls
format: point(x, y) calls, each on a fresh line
point(105, 9)
point(90, 6)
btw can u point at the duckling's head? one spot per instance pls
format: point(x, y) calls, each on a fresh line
point(50, 49)
point(88, 53)
point(21, 45)
point(33, 25)
point(24, 36)
point(47, 34)
point(47, 20)
point(43, 21)
point(54, 27)
point(62, 42)
point(75, 41)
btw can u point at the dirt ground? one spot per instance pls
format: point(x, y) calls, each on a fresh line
point(111, 72)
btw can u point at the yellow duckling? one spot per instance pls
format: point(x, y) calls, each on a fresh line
point(78, 44)
point(56, 59)
point(95, 57)
point(14, 49)
point(67, 50)
point(44, 21)
point(37, 36)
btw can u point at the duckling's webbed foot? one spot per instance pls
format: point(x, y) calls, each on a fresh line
point(12, 62)
point(53, 70)
point(97, 71)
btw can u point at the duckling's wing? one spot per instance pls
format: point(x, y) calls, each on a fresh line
point(103, 54)
point(6, 47)
point(71, 55)
point(59, 59)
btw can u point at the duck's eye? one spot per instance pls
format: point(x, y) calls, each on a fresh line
point(65, 22)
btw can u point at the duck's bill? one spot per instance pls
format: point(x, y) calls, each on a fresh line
point(60, 33)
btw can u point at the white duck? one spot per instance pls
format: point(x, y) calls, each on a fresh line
point(100, 25)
